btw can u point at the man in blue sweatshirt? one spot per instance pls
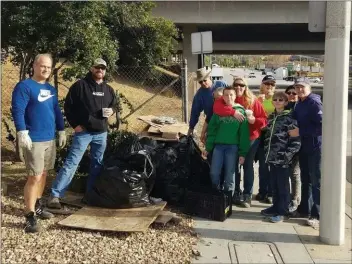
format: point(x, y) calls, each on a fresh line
point(37, 116)
point(309, 115)
point(203, 100)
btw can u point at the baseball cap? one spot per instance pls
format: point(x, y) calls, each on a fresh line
point(99, 61)
point(302, 81)
point(269, 78)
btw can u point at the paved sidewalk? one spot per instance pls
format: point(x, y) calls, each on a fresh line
point(247, 237)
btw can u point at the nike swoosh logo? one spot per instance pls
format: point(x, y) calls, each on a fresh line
point(42, 99)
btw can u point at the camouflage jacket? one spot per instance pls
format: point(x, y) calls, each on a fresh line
point(278, 145)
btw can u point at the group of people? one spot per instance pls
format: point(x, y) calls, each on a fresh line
point(37, 117)
point(280, 130)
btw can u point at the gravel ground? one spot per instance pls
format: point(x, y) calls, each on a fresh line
point(56, 244)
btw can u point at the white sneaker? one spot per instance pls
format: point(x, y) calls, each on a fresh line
point(313, 222)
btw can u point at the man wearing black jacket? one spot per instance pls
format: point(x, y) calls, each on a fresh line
point(88, 105)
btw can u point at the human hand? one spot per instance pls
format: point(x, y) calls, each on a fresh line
point(62, 138)
point(251, 119)
point(294, 132)
point(24, 141)
point(205, 154)
point(241, 160)
point(238, 116)
point(261, 98)
point(78, 129)
point(190, 132)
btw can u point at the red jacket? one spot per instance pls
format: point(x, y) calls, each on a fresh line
point(221, 109)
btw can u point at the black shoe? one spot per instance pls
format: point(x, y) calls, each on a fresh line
point(247, 202)
point(268, 199)
point(269, 211)
point(260, 197)
point(237, 198)
point(41, 211)
point(31, 223)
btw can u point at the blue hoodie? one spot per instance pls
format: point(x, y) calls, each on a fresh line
point(309, 116)
point(203, 101)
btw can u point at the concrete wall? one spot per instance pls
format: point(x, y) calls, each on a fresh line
point(237, 12)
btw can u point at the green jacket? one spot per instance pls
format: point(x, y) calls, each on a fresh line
point(228, 131)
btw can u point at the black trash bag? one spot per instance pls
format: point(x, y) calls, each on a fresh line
point(199, 167)
point(124, 145)
point(124, 187)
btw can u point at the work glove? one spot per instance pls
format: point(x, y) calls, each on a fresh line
point(24, 141)
point(108, 112)
point(62, 138)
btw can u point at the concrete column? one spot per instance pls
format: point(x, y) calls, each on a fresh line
point(337, 42)
point(192, 60)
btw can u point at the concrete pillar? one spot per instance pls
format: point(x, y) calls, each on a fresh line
point(332, 202)
point(192, 60)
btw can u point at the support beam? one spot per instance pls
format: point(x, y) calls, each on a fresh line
point(192, 60)
point(337, 42)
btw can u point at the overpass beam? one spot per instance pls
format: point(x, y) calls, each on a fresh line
point(337, 41)
point(192, 60)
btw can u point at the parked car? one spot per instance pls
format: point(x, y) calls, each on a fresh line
point(290, 78)
point(252, 75)
point(314, 79)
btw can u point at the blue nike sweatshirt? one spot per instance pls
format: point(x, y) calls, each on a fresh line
point(35, 107)
point(203, 101)
point(309, 116)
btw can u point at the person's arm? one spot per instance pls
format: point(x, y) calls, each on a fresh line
point(20, 99)
point(59, 119)
point(260, 115)
point(114, 100)
point(211, 132)
point(221, 109)
point(69, 107)
point(245, 142)
point(195, 111)
point(294, 143)
point(316, 112)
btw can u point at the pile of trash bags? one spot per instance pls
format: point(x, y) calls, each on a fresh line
point(137, 168)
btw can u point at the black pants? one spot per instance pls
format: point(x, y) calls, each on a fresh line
point(280, 185)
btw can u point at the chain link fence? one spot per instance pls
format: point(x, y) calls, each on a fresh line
point(158, 91)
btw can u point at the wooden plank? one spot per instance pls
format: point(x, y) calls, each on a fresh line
point(164, 217)
point(119, 220)
point(155, 137)
point(61, 211)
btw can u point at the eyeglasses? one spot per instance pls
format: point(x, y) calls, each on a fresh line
point(272, 84)
point(278, 100)
point(239, 84)
point(291, 93)
point(100, 68)
point(200, 82)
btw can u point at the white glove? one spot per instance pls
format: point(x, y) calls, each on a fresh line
point(108, 112)
point(24, 141)
point(62, 138)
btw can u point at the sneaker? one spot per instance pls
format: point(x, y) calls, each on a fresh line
point(268, 199)
point(41, 211)
point(276, 219)
point(237, 198)
point(31, 223)
point(260, 197)
point(54, 202)
point(313, 222)
point(268, 211)
point(247, 202)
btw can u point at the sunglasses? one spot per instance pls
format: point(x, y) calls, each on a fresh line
point(272, 84)
point(278, 100)
point(100, 68)
point(291, 93)
point(239, 84)
point(200, 82)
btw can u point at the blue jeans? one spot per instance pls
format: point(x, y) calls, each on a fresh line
point(264, 175)
point(79, 145)
point(224, 155)
point(310, 165)
point(248, 178)
point(280, 184)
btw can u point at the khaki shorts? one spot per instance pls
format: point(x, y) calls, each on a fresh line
point(40, 158)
